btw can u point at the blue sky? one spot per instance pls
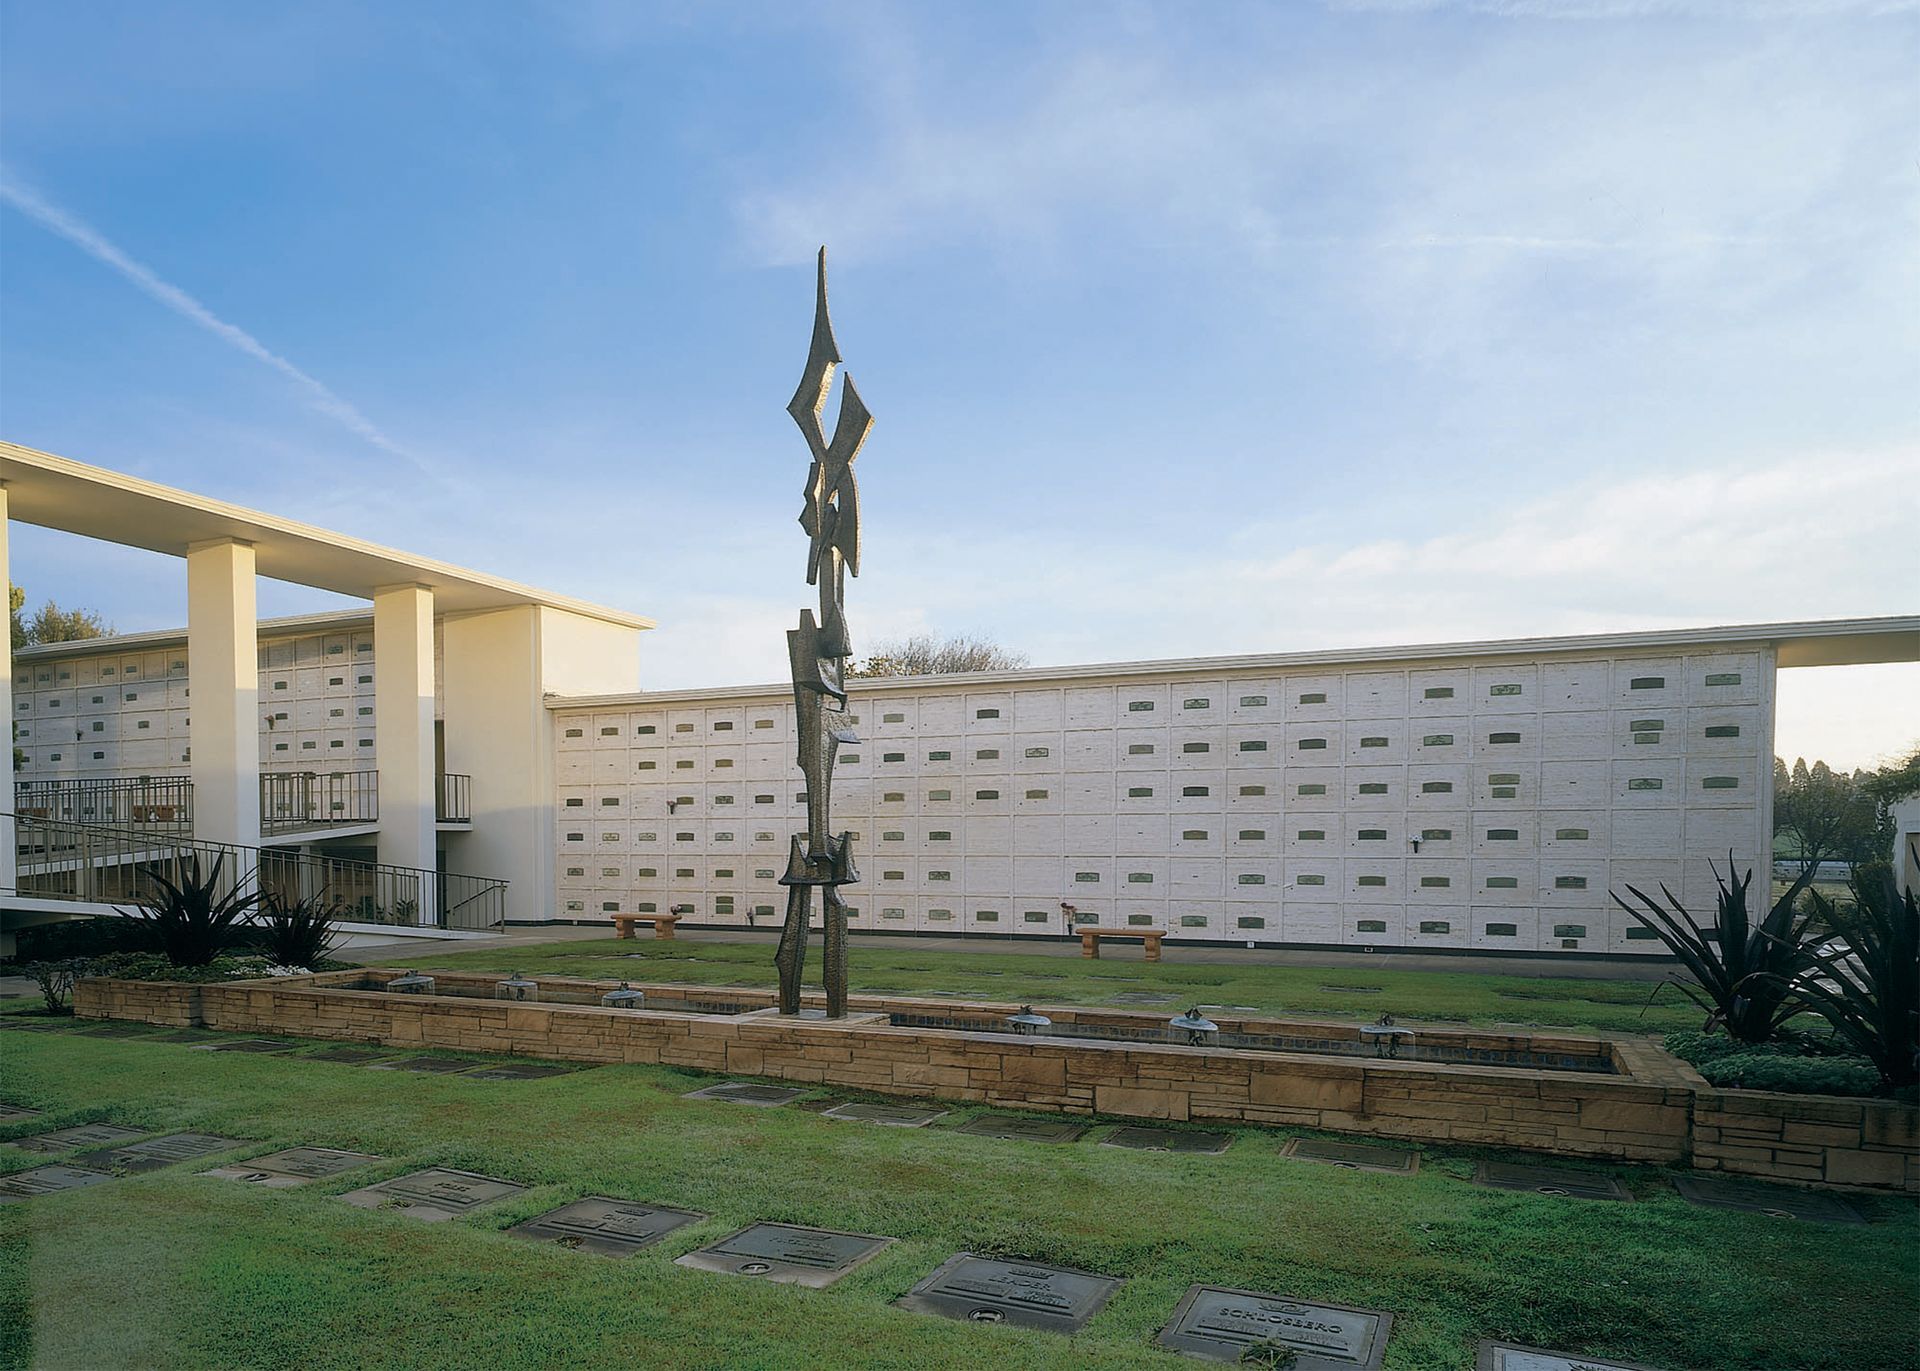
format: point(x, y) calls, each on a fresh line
point(1188, 328)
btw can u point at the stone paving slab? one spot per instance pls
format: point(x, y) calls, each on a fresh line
point(1218, 1323)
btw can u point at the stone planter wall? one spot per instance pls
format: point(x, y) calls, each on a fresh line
point(1654, 1109)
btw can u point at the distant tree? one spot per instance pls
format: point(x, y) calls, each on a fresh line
point(925, 655)
point(1826, 815)
point(50, 623)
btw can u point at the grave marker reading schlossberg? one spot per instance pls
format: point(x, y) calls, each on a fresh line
point(1217, 1323)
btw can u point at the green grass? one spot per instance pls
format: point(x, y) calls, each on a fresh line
point(1432, 996)
point(172, 1270)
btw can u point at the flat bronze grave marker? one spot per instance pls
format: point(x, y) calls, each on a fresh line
point(47, 1180)
point(293, 1166)
point(254, 1045)
point(1144, 1139)
point(437, 1066)
point(116, 1028)
point(887, 1115)
point(1549, 1180)
point(187, 1035)
point(22, 1024)
point(748, 1092)
point(80, 1135)
point(14, 1113)
point(433, 1195)
point(1025, 1294)
point(517, 1071)
point(349, 1056)
point(613, 1228)
point(1775, 1201)
point(787, 1254)
point(1140, 997)
point(1217, 1323)
point(155, 1153)
point(1397, 1161)
point(1022, 1130)
point(1511, 1356)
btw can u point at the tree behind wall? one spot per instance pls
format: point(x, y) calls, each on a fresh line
point(1825, 815)
point(50, 623)
point(925, 655)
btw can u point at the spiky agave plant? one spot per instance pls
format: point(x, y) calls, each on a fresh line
point(296, 932)
point(1869, 989)
point(193, 920)
point(1743, 973)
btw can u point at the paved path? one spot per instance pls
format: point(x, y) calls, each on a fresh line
point(1576, 968)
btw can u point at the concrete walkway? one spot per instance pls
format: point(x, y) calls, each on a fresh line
point(1574, 968)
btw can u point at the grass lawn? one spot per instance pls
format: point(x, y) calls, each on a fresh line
point(173, 1270)
point(1522, 997)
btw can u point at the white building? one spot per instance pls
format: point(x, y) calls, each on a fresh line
point(420, 718)
point(1482, 796)
point(1485, 796)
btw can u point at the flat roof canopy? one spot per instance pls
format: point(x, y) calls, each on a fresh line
point(54, 492)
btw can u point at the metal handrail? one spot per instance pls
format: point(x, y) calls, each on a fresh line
point(293, 800)
point(160, 804)
point(453, 798)
point(91, 862)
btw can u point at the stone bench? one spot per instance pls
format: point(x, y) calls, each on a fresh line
point(662, 924)
point(1090, 939)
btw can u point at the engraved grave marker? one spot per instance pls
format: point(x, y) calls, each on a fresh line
point(1511, 1356)
point(1014, 1127)
point(1217, 1323)
point(1549, 1180)
point(436, 1066)
point(80, 1135)
point(349, 1056)
point(14, 1113)
point(47, 1180)
point(888, 1115)
point(293, 1166)
point(155, 1153)
point(1025, 1294)
point(1145, 1139)
point(433, 1195)
point(517, 1071)
point(748, 1092)
point(1775, 1201)
point(787, 1254)
point(1353, 1156)
point(613, 1228)
point(253, 1045)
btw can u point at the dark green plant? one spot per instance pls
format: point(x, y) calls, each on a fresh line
point(1741, 970)
point(55, 980)
point(1869, 989)
point(297, 932)
point(1797, 1075)
point(194, 920)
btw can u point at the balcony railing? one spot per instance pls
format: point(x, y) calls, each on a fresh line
point(294, 800)
point(453, 798)
point(83, 861)
point(149, 804)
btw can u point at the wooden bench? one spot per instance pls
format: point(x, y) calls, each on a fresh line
point(1090, 939)
point(662, 924)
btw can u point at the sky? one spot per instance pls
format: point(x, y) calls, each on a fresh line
point(1188, 329)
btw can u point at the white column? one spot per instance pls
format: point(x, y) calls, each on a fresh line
point(403, 732)
point(9, 853)
point(223, 673)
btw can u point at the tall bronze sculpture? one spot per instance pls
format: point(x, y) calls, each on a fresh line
point(818, 652)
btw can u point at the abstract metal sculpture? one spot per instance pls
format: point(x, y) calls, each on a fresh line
point(818, 652)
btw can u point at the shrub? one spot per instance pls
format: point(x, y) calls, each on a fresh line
point(1800, 1075)
point(55, 980)
point(152, 966)
point(296, 932)
point(81, 938)
point(1742, 974)
point(195, 920)
point(1870, 989)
